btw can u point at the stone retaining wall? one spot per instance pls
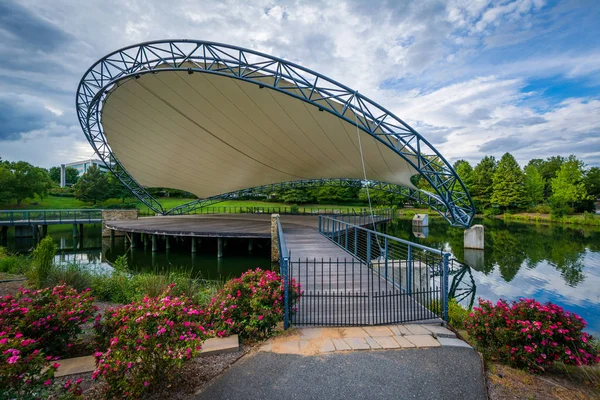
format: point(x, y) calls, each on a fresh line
point(115, 215)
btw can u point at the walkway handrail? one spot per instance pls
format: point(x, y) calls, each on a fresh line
point(284, 263)
point(43, 217)
point(395, 259)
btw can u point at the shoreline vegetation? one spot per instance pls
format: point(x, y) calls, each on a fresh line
point(404, 213)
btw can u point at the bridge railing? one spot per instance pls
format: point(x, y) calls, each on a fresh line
point(417, 270)
point(284, 264)
point(276, 210)
point(49, 217)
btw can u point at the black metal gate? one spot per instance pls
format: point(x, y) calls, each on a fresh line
point(349, 292)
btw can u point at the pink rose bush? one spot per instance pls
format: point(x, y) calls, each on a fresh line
point(143, 342)
point(51, 316)
point(250, 305)
point(531, 335)
point(31, 323)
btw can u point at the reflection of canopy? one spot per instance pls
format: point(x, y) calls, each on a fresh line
point(213, 119)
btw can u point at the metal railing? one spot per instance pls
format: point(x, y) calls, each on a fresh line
point(49, 217)
point(275, 210)
point(410, 267)
point(284, 262)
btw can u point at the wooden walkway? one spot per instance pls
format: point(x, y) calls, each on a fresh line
point(340, 290)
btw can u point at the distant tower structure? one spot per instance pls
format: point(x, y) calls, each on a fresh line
point(63, 175)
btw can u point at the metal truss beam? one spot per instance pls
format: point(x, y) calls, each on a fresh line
point(450, 196)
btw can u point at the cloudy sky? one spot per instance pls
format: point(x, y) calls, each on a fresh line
point(475, 77)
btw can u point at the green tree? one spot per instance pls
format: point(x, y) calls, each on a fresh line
point(592, 182)
point(381, 197)
point(332, 194)
point(548, 169)
point(117, 189)
point(71, 175)
point(6, 183)
point(508, 183)
point(481, 186)
point(465, 172)
point(568, 187)
point(93, 186)
point(28, 181)
point(534, 185)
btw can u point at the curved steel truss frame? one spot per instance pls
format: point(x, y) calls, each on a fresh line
point(450, 196)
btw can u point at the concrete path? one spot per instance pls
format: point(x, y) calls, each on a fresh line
point(382, 362)
point(437, 373)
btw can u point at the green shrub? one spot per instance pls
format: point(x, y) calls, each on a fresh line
point(541, 208)
point(145, 342)
point(559, 210)
point(52, 317)
point(294, 209)
point(492, 212)
point(121, 206)
point(43, 259)
point(72, 275)
point(250, 306)
point(457, 314)
point(531, 335)
point(12, 263)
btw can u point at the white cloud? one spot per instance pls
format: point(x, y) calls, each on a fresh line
point(422, 60)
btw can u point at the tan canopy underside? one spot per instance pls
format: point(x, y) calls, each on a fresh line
point(209, 135)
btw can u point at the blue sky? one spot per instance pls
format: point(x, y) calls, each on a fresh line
point(474, 77)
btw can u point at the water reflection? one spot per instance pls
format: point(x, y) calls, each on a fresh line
point(550, 263)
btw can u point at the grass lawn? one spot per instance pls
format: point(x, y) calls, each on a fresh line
point(55, 202)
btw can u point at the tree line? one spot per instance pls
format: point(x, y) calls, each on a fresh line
point(556, 184)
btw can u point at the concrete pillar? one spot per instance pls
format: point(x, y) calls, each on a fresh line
point(474, 237)
point(167, 243)
point(44, 230)
point(81, 231)
point(74, 230)
point(133, 240)
point(274, 238)
point(145, 236)
point(420, 220)
point(35, 231)
point(154, 247)
point(63, 175)
point(112, 236)
point(193, 245)
point(219, 247)
point(250, 245)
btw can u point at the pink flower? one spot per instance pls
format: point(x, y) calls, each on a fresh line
point(260, 317)
point(48, 382)
point(146, 383)
point(13, 359)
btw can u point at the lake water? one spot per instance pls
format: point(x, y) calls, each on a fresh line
point(553, 263)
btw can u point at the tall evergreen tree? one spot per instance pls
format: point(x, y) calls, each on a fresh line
point(465, 172)
point(481, 187)
point(534, 185)
point(93, 186)
point(508, 183)
point(592, 182)
point(568, 186)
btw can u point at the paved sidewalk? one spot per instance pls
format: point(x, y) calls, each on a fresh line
point(313, 341)
point(436, 373)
